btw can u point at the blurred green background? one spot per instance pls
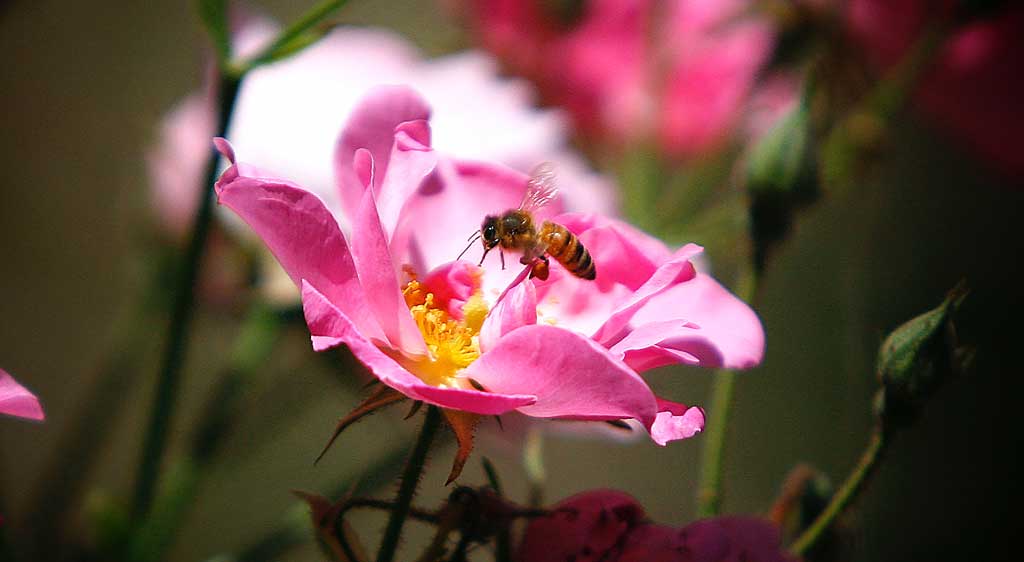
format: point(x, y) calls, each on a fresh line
point(84, 85)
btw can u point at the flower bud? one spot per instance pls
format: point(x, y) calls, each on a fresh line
point(918, 356)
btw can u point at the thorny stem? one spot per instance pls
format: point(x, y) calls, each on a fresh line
point(410, 479)
point(709, 489)
point(845, 495)
point(181, 316)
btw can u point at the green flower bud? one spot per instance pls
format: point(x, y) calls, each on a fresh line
point(918, 357)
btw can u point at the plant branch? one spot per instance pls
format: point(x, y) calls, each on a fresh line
point(845, 495)
point(709, 489)
point(410, 480)
point(165, 396)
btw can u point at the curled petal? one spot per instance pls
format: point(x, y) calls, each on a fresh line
point(516, 309)
point(572, 377)
point(411, 164)
point(16, 400)
point(371, 126)
point(452, 285)
point(301, 233)
point(728, 332)
point(669, 274)
point(379, 281)
point(676, 421)
point(330, 327)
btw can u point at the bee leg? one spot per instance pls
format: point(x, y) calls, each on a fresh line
point(502, 254)
point(540, 269)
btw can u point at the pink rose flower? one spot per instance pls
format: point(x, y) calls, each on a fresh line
point(610, 526)
point(484, 340)
point(17, 401)
point(680, 73)
point(972, 89)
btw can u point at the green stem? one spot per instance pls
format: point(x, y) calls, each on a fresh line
point(709, 488)
point(410, 480)
point(220, 413)
point(845, 495)
point(166, 391)
point(305, 22)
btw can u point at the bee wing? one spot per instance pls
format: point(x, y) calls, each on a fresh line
point(541, 188)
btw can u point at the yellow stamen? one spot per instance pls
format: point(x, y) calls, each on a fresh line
point(452, 344)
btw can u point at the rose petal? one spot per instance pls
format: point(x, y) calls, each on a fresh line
point(729, 333)
point(16, 400)
point(330, 327)
point(572, 376)
point(518, 308)
point(379, 280)
point(301, 233)
point(452, 285)
point(676, 421)
point(371, 126)
point(669, 274)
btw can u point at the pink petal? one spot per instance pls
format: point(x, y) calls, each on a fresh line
point(411, 165)
point(572, 377)
point(371, 126)
point(666, 342)
point(16, 400)
point(676, 421)
point(301, 233)
point(330, 327)
point(379, 280)
point(452, 285)
point(729, 333)
point(516, 309)
point(669, 274)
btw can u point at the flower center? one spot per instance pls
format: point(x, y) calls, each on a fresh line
point(452, 344)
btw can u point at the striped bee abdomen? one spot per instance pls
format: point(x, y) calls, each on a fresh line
point(567, 249)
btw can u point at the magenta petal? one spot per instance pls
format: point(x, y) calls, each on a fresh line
point(671, 273)
point(676, 421)
point(452, 285)
point(411, 164)
point(729, 333)
point(330, 327)
point(664, 343)
point(371, 126)
point(518, 308)
point(379, 281)
point(571, 375)
point(301, 233)
point(16, 400)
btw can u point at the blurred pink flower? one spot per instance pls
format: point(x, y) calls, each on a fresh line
point(16, 400)
point(610, 526)
point(678, 72)
point(973, 89)
point(439, 330)
point(288, 115)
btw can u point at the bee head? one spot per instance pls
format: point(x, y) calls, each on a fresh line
point(489, 232)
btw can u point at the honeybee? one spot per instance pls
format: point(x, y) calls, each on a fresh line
point(515, 229)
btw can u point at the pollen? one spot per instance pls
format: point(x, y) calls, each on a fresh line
point(452, 345)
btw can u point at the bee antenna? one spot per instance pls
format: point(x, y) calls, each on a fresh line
point(472, 239)
point(476, 234)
